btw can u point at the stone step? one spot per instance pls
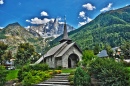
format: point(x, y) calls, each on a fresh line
point(57, 80)
point(63, 74)
point(59, 77)
point(51, 85)
point(54, 80)
point(60, 83)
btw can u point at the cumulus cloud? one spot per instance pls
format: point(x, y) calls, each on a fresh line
point(43, 13)
point(85, 22)
point(88, 19)
point(27, 27)
point(106, 8)
point(89, 6)
point(82, 14)
point(28, 21)
point(82, 23)
point(1, 2)
point(38, 21)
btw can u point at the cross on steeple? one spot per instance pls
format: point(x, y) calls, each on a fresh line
point(65, 34)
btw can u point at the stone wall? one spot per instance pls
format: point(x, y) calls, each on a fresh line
point(72, 50)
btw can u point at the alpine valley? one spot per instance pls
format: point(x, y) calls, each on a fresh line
point(109, 28)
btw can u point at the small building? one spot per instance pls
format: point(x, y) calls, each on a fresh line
point(117, 52)
point(102, 54)
point(66, 54)
point(9, 64)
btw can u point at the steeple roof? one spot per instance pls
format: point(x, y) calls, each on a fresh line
point(65, 34)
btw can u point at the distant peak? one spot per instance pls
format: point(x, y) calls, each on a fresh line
point(15, 24)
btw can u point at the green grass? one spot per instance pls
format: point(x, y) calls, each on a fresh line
point(12, 74)
point(67, 70)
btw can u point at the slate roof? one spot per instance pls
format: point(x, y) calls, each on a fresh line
point(54, 49)
point(103, 53)
point(61, 53)
point(60, 49)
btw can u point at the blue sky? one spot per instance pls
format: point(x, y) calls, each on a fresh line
point(35, 12)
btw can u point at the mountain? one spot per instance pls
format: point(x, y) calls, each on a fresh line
point(14, 34)
point(108, 28)
point(50, 29)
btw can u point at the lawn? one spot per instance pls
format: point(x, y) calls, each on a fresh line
point(12, 74)
point(68, 70)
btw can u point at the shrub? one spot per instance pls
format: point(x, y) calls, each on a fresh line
point(71, 77)
point(72, 72)
point(33, 69)
point(109, 72)
point(59, 68)
point(57, 71)
point(3, 74)
point(51, 73)
point(81, 78)
point(29, 79)
point(71, 82)
point(42, 67)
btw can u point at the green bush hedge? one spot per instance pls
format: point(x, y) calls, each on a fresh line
point(28, 68)
point(109, 72)
point(3, 74)
point(81, 78)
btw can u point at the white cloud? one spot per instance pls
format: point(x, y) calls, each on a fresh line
point(43, 13)
point(1, 27)
point(28, 21)
point(82, 23)
point(82, 14)
point(89, 6)
point(85, 22)
point(38, 21)
point(106, 8)
point(27, 27)
point(1, 2)
point(88, 19)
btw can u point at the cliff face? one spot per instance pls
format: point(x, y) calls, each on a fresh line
point(50, 29)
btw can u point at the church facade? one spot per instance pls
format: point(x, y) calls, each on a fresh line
point(66, 54)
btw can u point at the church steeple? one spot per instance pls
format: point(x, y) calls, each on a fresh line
point(65, 34)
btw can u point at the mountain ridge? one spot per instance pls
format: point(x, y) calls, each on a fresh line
point(109, 28)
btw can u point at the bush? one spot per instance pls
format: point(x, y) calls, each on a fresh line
point(57, 71)
point(59, 68)
point(71, 77)
point(3, 74)
point(29, 79)
point(32, 68)
point(42, 67)
point(109, 72)
point(72, 72)
point(81, 78)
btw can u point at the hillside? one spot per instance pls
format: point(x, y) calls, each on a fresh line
point(112, 27)
point(14, 34)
